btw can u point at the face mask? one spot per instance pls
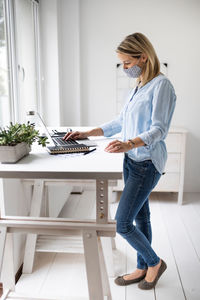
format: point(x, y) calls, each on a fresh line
point(134, 71)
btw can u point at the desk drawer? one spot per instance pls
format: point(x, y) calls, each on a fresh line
point(173, 163)
point(168, 183)
point(173, 142)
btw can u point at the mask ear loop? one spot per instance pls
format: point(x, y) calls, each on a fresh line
point(139, 81)
point(142, 67)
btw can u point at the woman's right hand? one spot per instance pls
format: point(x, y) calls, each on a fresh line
point(76, 135)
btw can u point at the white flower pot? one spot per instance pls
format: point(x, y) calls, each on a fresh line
point(11, 154)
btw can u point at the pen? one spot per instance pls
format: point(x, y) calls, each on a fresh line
point(90, 151)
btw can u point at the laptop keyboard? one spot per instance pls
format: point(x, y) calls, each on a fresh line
point(62, 142)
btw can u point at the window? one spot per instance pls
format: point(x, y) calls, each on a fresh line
point(25, 35)
point(4, 91)
point(22, 35)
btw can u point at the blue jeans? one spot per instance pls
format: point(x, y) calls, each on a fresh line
point(140, 179)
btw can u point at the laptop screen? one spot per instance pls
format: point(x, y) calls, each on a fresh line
point(43, 127)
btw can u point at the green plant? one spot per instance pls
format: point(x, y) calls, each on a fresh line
point(18, 133)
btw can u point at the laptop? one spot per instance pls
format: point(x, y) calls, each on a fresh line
point(59, 146)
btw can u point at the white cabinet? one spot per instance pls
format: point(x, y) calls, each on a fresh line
point(173, 179)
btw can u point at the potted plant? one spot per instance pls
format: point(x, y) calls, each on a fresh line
point(16, 140)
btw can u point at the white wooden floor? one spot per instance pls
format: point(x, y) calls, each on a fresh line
point(176, 238)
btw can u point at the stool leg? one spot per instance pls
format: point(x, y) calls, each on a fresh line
point(93, 267)
point(36, 204)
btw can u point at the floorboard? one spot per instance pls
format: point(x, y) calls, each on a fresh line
point(185, 256)
point(192, 225)
point(169, 286)
point(34, 282)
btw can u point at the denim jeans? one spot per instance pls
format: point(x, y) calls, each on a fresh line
point(140, 179)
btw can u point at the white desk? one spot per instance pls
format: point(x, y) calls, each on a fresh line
point(39, 165)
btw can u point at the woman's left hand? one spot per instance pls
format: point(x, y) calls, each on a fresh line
point(118, 146)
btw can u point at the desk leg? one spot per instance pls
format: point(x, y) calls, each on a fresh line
point(102, 216)
point(31, 240)
point(3, 232)
point(113, 244)
point(5, 295)
point(98, 284)
point(102, 201)
point(8, 274)
point(108, 254)
point(104, 274)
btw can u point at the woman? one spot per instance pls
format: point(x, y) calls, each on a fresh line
point(144, 123)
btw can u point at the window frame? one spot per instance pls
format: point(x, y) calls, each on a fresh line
point(13, 84)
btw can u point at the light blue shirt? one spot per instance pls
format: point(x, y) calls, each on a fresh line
point(147, 115)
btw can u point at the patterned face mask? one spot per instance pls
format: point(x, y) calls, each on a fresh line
point(134, 71)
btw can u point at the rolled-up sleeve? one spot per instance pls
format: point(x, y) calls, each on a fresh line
point(163, 105)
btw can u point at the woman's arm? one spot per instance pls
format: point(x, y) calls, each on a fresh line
point(78, 135)
point(95, 132)
point(164, 100)
point(118, 146)
point(107, 129)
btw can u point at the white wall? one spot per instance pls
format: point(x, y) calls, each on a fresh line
point(69, 61)
point(50, 62)
point(173, 26)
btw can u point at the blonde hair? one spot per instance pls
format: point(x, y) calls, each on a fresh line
point(135, 45)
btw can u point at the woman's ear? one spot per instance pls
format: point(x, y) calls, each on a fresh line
point(144, 58)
